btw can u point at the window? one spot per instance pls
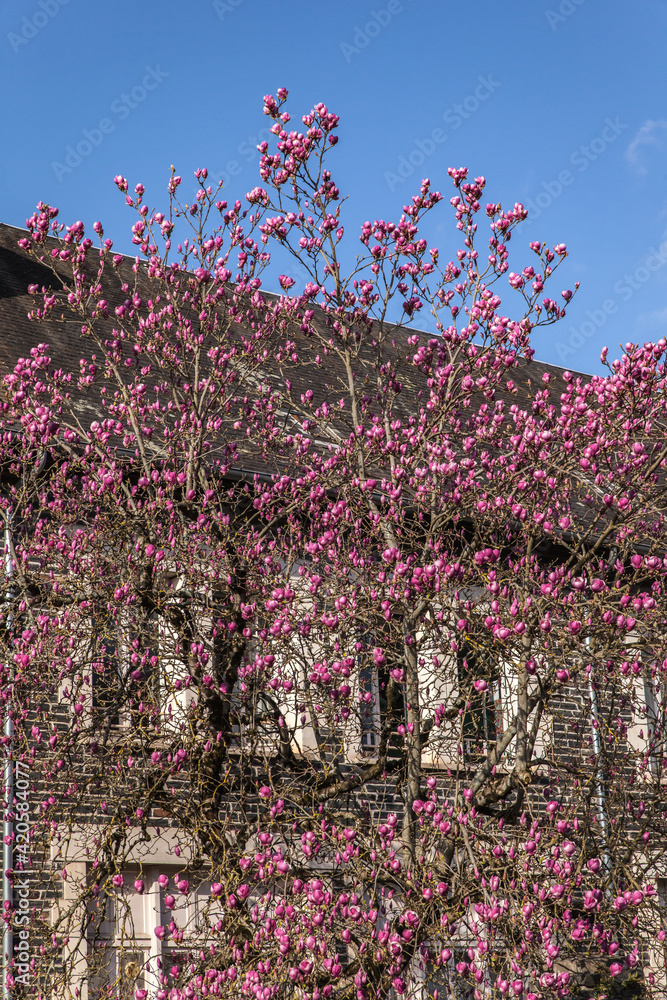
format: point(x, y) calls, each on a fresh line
point(445, 979)
point(120, 940)
point(487, 687)
point(106, 678)
point(125, 674)
point(480, 683)
point(124, 952)
point(381, 702)
point(251, 709)
point(662, 905)
point(254, 719)
point(369, 711)
point(647, 733)
point(653, 921)
point(655, 697)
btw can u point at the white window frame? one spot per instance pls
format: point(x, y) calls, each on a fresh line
point(74, 854)
point(92, 713)
point(145, 913)
point(647, 708)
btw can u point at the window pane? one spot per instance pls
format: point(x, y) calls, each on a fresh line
point(106, 678)
point(482, 721)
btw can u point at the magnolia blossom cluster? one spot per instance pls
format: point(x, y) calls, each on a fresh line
point(365, 624)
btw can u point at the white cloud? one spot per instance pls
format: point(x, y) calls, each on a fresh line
point(651, 133)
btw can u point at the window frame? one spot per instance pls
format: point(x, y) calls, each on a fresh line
point(73, 853)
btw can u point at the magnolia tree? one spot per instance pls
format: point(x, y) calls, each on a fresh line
point(335, 654)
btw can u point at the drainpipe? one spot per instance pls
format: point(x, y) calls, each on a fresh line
point(8, 824)
point(597, 749)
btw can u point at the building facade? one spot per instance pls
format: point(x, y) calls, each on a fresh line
point(256, 689)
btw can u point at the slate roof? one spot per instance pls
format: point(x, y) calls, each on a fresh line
point(18, 335)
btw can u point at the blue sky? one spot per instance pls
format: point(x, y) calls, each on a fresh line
point(561, 104)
